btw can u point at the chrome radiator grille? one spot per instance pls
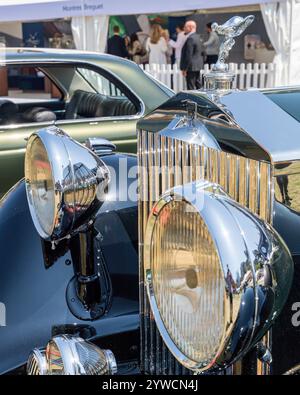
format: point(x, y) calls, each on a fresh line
point(165, 163)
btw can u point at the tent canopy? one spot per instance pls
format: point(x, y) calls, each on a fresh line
point(29, 10)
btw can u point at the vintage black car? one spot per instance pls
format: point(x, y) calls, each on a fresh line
point(184, 259)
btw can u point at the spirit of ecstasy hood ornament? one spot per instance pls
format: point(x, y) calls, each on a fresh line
point(220, 78)
point(234, 27)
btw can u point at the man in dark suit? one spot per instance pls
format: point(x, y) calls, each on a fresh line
point(116, 44)
point(191, 61)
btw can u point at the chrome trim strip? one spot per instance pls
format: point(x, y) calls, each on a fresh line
point(62, 122)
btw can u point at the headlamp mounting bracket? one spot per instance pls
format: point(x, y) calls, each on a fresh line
point(89, 292)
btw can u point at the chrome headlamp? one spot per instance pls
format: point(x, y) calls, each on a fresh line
point(71, 355)
point(216, 275)
point(63, 182)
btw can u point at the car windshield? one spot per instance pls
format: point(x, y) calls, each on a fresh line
point(288, 100)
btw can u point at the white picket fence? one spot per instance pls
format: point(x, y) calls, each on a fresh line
point(257, 75)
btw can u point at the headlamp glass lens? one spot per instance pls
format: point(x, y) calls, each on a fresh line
point(39, 176)
point(188, 281)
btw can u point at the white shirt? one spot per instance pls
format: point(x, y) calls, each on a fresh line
point(157, 52)
point(178, 44)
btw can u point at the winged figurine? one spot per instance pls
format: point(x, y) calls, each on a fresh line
point(234, 27)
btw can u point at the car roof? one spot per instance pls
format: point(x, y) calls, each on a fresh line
point(22, 53)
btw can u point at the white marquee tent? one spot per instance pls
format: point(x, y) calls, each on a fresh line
point(90, 21)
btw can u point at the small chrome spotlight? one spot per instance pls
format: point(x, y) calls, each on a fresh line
point(72, 355)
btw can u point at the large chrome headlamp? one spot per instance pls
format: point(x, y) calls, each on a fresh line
point(216, 275)
point(62, 182)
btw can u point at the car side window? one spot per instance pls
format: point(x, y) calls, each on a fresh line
point(61, 92)
point(101, 84)
point(27, 95)
point(99, 96)
point(27, 82)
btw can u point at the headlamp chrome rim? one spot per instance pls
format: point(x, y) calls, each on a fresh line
point(250, 291)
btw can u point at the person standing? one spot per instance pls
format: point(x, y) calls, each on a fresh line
point(116, 44)
point(191, 61)
point(135, 48)
point(156, 46)
point(211, 46)
point(166, 35)
point(179, 43)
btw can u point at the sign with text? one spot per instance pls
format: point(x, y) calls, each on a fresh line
point(12, 10)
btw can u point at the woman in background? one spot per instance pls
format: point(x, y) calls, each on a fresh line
point(179, 43)
point(156, 46)
point(135, 48)
point(169, 53)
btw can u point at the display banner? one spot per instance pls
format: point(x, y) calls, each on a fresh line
point(28, 10)
point(33, 34)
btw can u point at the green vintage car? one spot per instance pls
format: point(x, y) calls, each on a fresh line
point(87, 94)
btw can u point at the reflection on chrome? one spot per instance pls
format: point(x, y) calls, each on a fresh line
point(214, 275)
point(287, 185)
point(191, 130)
